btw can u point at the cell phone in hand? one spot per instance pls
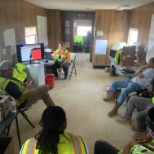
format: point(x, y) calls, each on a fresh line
point(31, 82)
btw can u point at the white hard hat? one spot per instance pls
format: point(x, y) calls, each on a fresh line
point(6, 65)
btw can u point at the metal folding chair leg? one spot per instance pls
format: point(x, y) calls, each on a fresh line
point(25, 116)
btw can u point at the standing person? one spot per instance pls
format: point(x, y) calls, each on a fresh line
point(142, 105)
point(145, 75)
point(53, 139)
point(62, 57)
point(22, 92)
point(139, 144)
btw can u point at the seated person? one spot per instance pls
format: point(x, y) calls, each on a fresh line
point(141, 81)
point(53, 139)
point(142, 105)
point(136, 145)
point(22, 92)
point(62, 57)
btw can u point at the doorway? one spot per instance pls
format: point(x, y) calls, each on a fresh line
point(82, 38)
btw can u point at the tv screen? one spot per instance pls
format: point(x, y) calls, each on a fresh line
point(30, 52)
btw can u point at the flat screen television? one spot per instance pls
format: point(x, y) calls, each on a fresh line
point(30, 52)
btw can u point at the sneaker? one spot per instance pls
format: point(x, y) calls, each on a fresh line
point(136, 129)
point(124, 120)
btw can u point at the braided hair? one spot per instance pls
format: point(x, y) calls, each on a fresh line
point(52, 122)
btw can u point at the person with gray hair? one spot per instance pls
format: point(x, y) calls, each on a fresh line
point(22, 92)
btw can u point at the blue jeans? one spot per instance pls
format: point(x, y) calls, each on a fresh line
point(129, 87)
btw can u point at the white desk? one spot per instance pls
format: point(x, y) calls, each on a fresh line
point(120, 68)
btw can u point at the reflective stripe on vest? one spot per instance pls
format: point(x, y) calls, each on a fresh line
point(28, 147)
point(77, 144)
point(4, 82)
point(139, 149)
point(58, 58)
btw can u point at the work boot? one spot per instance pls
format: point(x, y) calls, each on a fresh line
point(114, 111)
point(111, 97)
point(124, 120)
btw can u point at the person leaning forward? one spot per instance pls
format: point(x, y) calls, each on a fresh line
point(22, 92)
point(62, 57)
point(145, 75)
point(53, 139)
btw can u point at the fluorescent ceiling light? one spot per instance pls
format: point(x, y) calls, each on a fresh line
point(123, 7)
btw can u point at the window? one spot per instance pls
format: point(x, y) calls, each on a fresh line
point(132, 37)
point(83, 30)
point(30, 35)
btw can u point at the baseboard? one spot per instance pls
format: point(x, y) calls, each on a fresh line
point(100, 67)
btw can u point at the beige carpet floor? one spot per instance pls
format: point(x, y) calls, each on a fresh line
point(81, 98)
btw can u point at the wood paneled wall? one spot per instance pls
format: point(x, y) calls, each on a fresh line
point(114, 25)
point(54, 28)
point(18, 14)
point(140, 18)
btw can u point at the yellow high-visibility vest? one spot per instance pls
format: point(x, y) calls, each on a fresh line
point(4, 82)
point(68, 144)
point(140, 149)
point(19, 72)
point(61, 57)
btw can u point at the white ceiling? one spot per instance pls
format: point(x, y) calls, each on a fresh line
point(87, 5)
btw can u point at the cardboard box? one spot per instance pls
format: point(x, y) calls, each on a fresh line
point(5, 103)
point(116, 94)
point(127, 56)
point(6, 145)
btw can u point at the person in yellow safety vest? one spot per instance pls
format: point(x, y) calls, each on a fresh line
point(78, 39)
point(19, 72)
point(62, 60)
point(22, 92)
point(139, 144)
point(53, 139)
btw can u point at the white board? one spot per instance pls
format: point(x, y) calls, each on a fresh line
point(10, 40)
point(42, 29)
point(101, 46)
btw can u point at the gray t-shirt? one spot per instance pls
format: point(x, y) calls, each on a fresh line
point(146, 80)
